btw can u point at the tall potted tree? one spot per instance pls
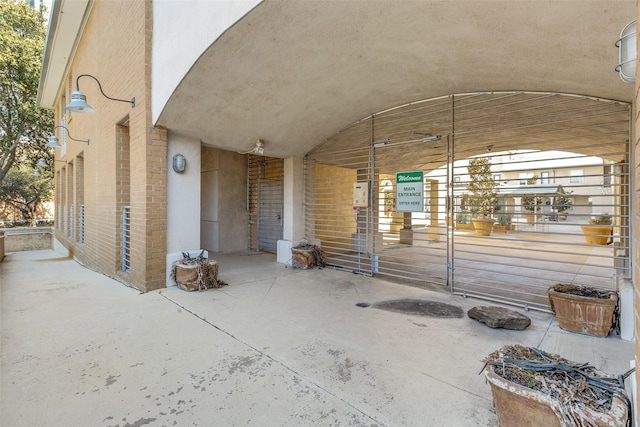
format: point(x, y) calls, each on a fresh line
point(483, 195)
point(531, 203)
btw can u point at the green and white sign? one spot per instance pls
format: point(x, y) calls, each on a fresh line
point(410, 191)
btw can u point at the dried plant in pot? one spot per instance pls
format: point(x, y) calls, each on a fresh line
point(584, 309)
point(532, 388)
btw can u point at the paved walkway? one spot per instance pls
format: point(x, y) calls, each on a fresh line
point(277, 347)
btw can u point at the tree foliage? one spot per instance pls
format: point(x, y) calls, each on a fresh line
point(26, 193)
point(24, 127)
point(483, 199)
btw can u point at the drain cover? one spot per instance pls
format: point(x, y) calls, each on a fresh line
point(421, 308)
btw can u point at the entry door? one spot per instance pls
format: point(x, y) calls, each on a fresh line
point(270, 196)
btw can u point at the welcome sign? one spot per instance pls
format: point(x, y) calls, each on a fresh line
point(410, 191)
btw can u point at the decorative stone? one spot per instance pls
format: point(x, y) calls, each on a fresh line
point(499, 317)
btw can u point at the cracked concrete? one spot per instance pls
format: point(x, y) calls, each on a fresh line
point(277, 347)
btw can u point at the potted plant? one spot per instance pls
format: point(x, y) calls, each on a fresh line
point(599, 229)
point(584, 309)
point(503, 223)
point(483, 195)
point(562, 204)
point(532, 203)
point(533, 388)
point(463, 221)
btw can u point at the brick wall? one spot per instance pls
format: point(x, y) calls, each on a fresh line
point(26, 239)
point(125, 163)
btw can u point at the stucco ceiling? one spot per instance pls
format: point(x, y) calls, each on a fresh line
point(294, 73)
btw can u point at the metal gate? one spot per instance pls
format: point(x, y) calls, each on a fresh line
point(549, 164)
point(265, 201)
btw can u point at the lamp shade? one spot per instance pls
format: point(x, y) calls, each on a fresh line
point(179, 163)
point(53, 142)
point(627, 53)
point(78, 103)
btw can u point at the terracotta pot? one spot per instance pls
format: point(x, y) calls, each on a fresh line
point(519, 406)
point(596, 234)
point(584, 315)
point(483, 226)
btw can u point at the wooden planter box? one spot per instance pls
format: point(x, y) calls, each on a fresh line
point(519, 406)
point(503, 228)
point(303, 258)
point(187, 275)
point(581, 314)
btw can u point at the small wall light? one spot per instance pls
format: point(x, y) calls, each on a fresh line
point(258, 149)
point(79, 104)
point(627, 53)
point(53, 141)
point(179, 163)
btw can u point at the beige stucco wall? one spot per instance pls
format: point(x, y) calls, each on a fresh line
point(174, 52)
point(223, 214)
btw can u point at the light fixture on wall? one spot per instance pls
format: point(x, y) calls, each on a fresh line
point(53, 141)
point(258, 149)
point(627, 53)
point(179, 163)
point(380, 143)
point(42, 163)
point(79, 104)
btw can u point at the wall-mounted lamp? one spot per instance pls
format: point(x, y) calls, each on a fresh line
point(42, 163)
point(380, 143)
point(258, 149)
point(79, 104)
point(432, 138)
point(53, 141)
point(428, 137)
point(179, 163)
point(627, 53)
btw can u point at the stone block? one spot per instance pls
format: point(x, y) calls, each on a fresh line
point(499, 317)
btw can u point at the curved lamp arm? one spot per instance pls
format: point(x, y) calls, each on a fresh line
point(132, 101)
point(53, 141)
point(78, 102)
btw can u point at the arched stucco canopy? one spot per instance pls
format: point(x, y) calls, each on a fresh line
point(295, 73)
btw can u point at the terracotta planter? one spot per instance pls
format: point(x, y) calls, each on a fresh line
point(596, 234)
point(464, 226)
point(584, 315)
point(519, 406)
point(483, 226)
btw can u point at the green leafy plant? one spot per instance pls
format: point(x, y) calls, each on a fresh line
point(483, 201)
point(463, 218)
point(563, 203)
point(503, 219)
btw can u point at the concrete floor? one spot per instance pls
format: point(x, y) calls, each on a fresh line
point(277, 347)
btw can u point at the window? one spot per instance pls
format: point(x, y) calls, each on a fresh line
point(576, 176)
point(456, 179)
point(496, 177)
point(544, 177)
point(526, 177)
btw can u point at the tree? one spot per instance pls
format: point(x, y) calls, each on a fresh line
point(532, 203)
point(25, 192)
point(483, 200)
point(24, 127)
